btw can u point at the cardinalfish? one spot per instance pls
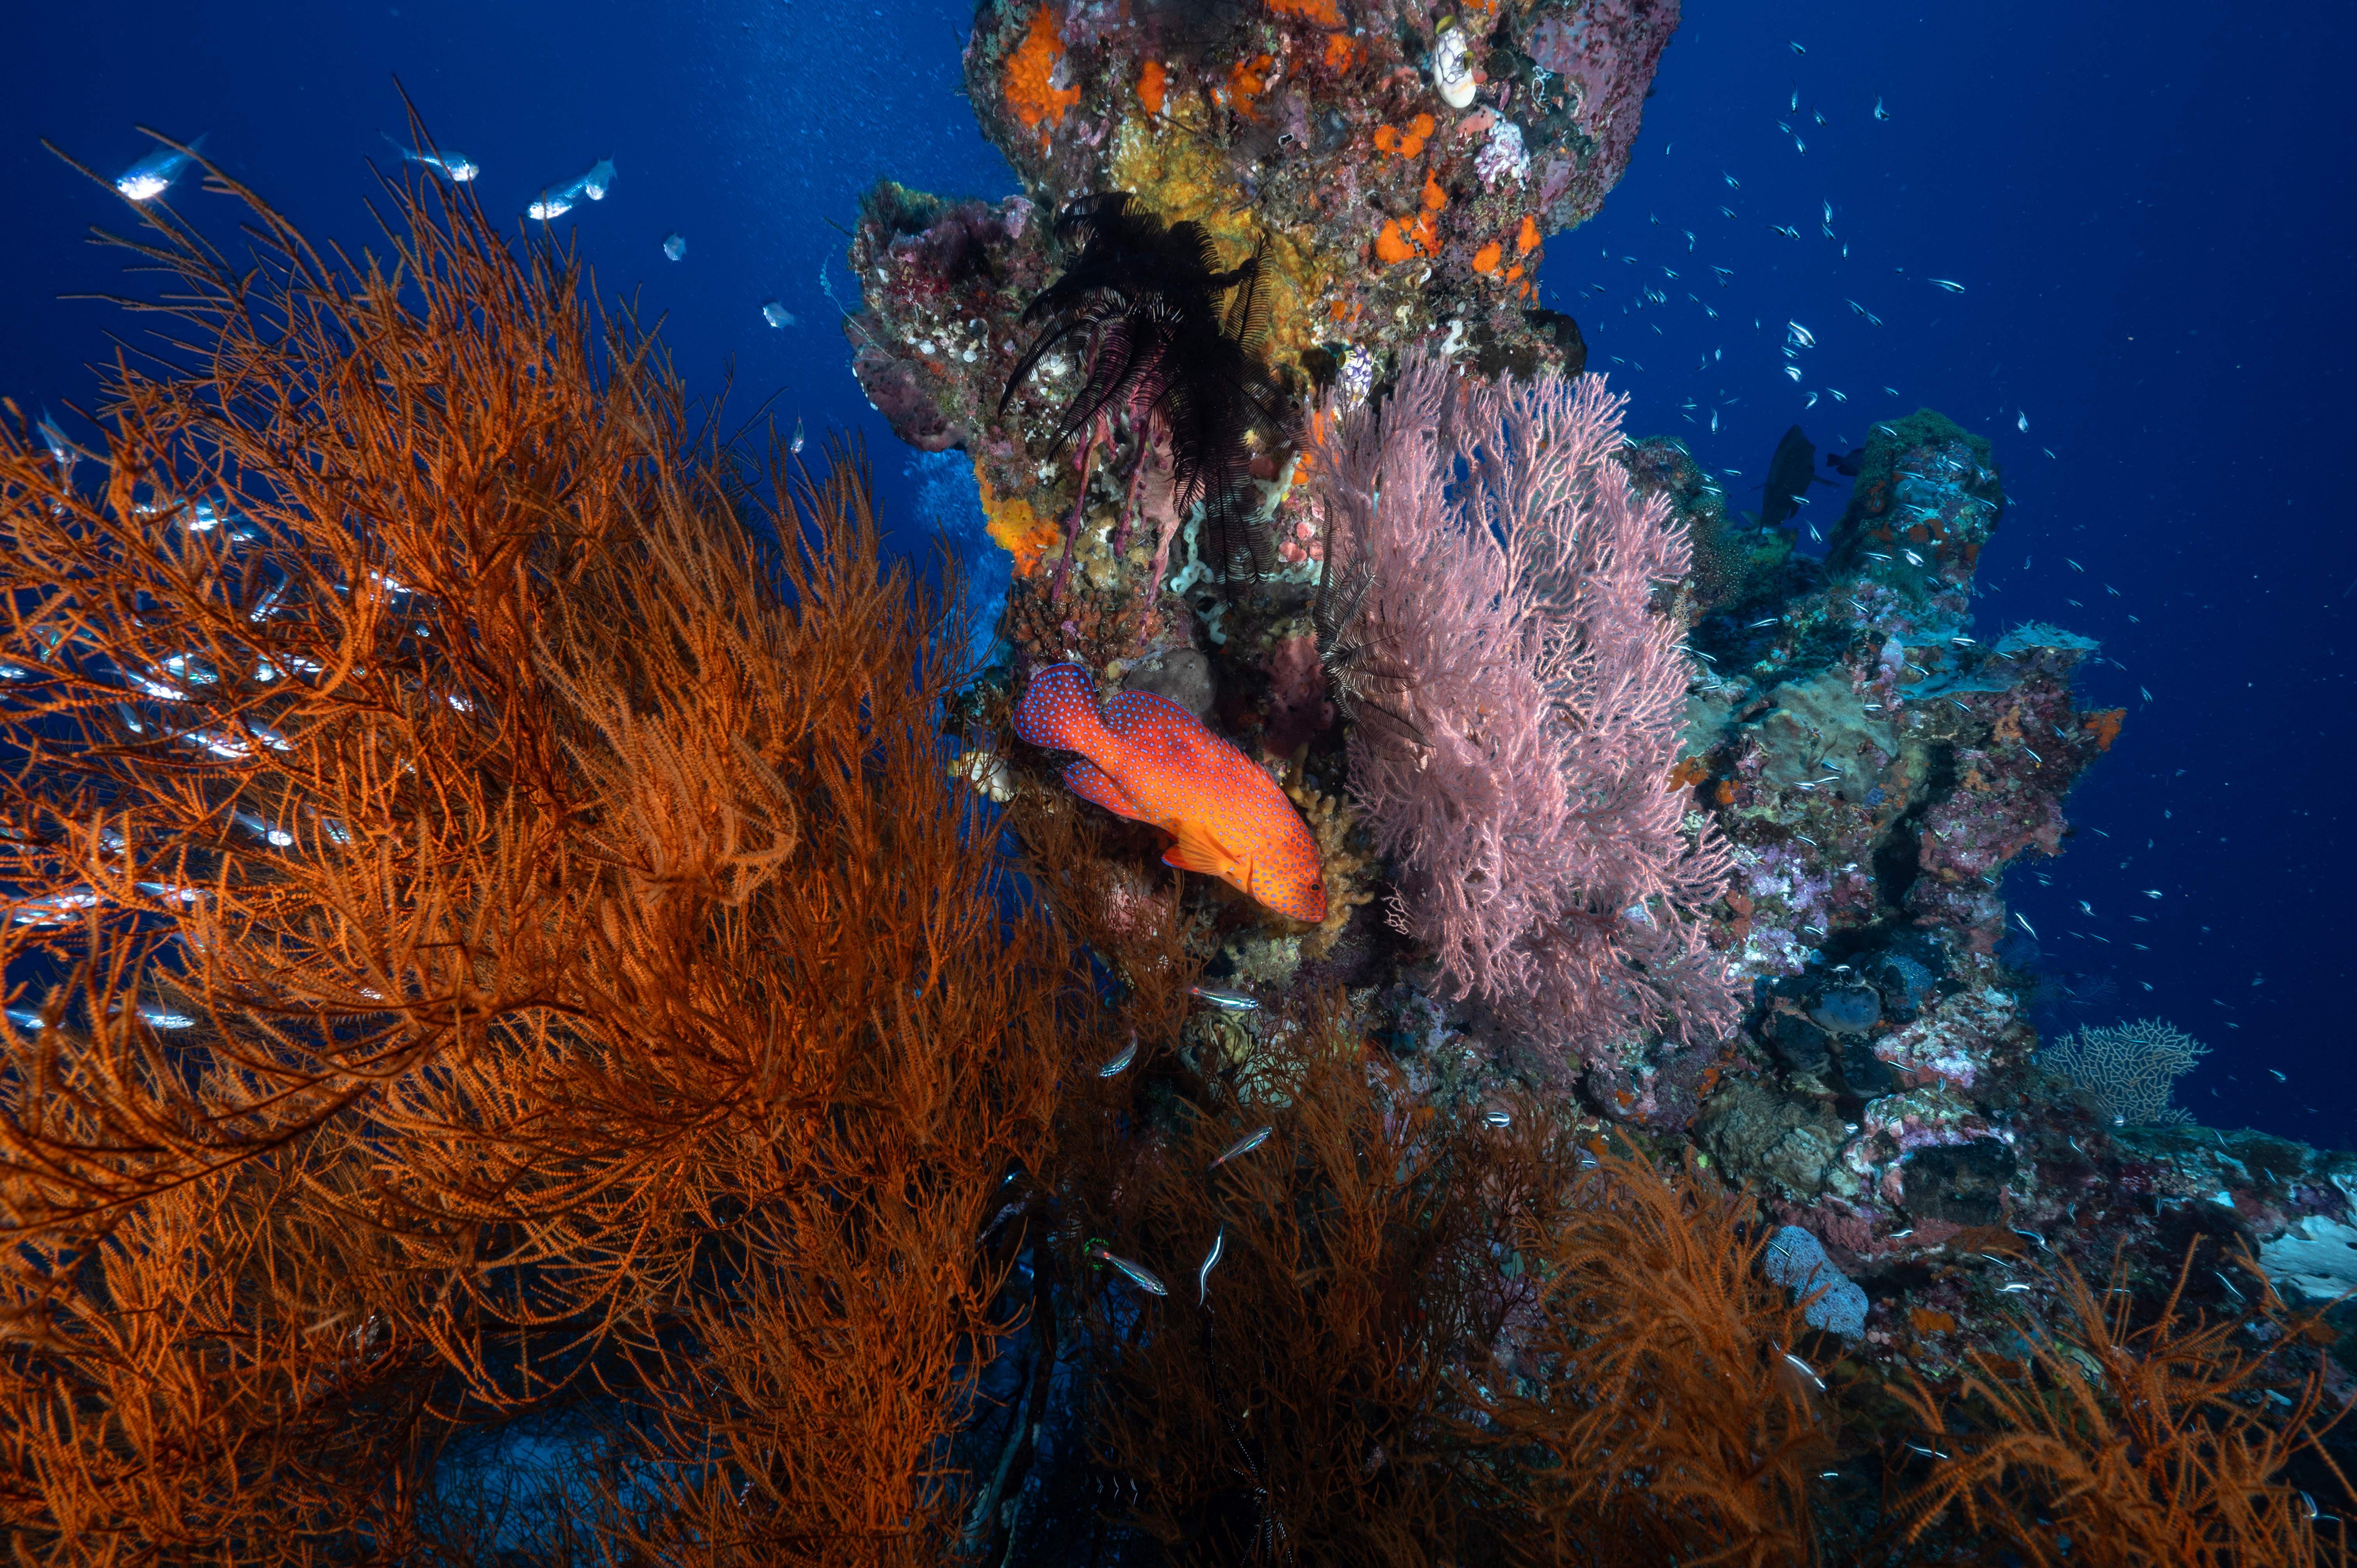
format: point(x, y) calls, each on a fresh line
point(1146, 759)
point(1121, 1060)
point(1244, 1145)
point(1139, 1275)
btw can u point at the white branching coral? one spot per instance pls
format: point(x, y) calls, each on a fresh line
point(2129, 1067)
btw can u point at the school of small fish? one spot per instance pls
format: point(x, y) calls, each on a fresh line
point(152, 175)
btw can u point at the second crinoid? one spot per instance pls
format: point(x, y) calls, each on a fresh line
point(1172, 348)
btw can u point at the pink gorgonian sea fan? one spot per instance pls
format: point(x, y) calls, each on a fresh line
point(1519, 703)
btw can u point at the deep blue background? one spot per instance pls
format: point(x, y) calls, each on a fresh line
point(2148, 204)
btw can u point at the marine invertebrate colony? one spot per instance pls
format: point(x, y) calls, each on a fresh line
point(1170, 343)
point(2128, 1068)
point(526, 896)
point(1535, 701)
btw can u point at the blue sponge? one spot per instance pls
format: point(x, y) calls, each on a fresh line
point(1796, 1259)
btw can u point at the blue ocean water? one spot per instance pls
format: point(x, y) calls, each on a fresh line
point(2147, 206)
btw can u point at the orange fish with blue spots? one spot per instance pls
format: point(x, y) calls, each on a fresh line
point(1146, 759)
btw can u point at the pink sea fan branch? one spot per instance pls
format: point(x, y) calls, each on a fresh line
point(1522, 705)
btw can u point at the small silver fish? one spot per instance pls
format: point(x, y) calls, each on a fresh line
point(556, 202)
point(776, 315)
point(1244, 1145)
point(456, 168)
point(796, 445)
point(1786, 230)
point(1139, 1275)
point(152, 175)
point(675, 246)
point(1218, 1244)
point(276, 837)
point(54, 437)
point(1949, 283)
point(1800, 335)
point(1880, 112)
point(1498, 1118)
point(1122, 1059)
point(1225, 1001)
point(1732, 183)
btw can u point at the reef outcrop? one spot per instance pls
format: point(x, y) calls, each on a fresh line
point(1873, 759)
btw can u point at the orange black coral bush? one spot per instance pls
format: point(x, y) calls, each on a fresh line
point(2110, 1445)
point(489, 923)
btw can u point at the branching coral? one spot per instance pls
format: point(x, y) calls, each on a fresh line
point(520, 930)
point(1671, 1427)
point(2129, 1067)
point(2108, 1446)
point(1349, 871)
point(1529, 705)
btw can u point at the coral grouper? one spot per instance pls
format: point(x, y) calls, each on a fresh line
point(1147, 758)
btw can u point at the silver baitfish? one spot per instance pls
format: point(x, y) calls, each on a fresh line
point(1244, 1145)
point(1138, 1273)
point(1121, 1060)
point(152, 175)
point(1219, 1245)
point(456, 168)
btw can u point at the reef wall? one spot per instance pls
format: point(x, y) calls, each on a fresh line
point(1873, 758)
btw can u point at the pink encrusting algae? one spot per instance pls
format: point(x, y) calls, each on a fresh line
point(1149, 759)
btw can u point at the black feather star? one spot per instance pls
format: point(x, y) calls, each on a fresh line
point(1172, 344)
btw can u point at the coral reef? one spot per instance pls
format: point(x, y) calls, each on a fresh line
point(1797, 964)
point(542, 972)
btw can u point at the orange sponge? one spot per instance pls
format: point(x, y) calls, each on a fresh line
point(1029, 71)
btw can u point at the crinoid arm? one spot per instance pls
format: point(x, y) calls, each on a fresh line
point(1174, 343)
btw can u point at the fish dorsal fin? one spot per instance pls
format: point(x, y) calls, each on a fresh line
point(1197, 850)
point(1150, 718)
point(1059, 710)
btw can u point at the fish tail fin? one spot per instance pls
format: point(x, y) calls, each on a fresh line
point(1059, 710)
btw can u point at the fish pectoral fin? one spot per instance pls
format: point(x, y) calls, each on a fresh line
point(1197, 850)
point(1090, 782)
